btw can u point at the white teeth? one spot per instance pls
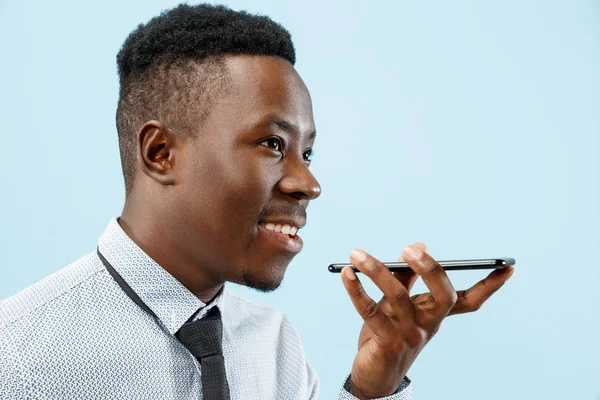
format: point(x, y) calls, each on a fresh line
point(285, 229)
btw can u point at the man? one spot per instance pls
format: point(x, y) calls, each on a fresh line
point(216, 133)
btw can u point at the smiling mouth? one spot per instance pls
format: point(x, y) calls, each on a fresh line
point(275, 233)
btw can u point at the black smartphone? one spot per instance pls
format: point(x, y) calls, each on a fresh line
point(448, 265)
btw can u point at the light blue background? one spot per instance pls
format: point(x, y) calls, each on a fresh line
point(471, 126)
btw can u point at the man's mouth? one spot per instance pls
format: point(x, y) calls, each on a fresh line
point(282, 235)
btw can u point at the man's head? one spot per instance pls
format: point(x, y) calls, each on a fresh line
point(216, 132)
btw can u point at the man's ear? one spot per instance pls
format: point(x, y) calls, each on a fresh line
point(156, 151)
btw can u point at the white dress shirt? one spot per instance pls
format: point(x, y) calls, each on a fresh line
point(77, 335)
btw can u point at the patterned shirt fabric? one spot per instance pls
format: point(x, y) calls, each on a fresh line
point(77, 335)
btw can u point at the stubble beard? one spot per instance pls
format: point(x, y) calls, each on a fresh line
point(262, 285)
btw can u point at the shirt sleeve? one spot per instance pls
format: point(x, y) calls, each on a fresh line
point(404, 392)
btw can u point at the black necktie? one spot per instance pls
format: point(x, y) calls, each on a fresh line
point(203, 339)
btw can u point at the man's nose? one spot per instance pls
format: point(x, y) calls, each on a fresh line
point(298, 181)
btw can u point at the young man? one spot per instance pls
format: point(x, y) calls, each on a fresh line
point(216, 133)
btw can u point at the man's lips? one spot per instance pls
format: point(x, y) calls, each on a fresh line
point(287, 242)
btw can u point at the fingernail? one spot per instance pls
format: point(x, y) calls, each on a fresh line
point(358, 255)
point(510, 274)
point(413, 252)
point(350, 274)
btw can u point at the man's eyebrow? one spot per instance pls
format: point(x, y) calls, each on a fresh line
point(290, 128)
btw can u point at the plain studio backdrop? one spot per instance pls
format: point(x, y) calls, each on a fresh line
point(471, 126)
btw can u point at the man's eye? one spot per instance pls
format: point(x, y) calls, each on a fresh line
point(308, 155)
point(272, 143)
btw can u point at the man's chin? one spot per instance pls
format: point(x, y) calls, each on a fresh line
point(262, 284)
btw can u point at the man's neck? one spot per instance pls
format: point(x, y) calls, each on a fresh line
point(155, 241)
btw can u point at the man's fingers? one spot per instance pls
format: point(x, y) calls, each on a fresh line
point(434, 277)
point(382, 277)
point(409, 278)
point(472, 299)
point(365, 305)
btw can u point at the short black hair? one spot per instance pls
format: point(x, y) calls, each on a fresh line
point(176, 60)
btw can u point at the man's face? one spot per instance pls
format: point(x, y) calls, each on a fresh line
point(248, 171)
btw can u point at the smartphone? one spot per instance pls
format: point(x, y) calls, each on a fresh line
point(448, 265)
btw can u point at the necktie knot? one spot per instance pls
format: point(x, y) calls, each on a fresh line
point(203, 337)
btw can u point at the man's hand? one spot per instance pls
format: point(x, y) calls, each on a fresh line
point(398, 327)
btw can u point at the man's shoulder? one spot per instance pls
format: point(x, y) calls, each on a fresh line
point(27, 301)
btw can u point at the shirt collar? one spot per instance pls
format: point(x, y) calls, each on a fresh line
point(172, 302)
